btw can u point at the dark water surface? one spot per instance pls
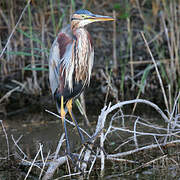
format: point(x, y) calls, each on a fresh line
point(45, 129)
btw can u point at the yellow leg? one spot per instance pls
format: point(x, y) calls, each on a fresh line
point(69, 107)
point(63, 113)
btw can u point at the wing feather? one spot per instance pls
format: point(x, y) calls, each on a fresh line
point(60, 55)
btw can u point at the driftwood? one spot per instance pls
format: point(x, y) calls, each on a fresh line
point(49, 164)
point(89, 158)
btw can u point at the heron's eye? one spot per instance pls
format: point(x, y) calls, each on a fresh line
point(83, 16)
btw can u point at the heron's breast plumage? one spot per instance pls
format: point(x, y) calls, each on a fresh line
point(84, 56)
point(71, 61)
point(77, 59)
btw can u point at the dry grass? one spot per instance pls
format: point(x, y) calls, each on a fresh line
point(27, 31)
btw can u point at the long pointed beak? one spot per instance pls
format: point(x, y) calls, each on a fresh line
point(96, 17)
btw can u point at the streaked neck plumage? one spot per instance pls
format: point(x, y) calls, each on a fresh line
point(82, 57)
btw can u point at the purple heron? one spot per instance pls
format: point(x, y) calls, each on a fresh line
point(70, 64)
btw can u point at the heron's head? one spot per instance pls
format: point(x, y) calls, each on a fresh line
point(83, 17)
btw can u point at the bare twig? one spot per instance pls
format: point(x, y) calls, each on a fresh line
point(15, 143)
point(92, 164)
point(59, 146)
point(30, 168)
point(102, 153)
point(7, 141)
point(139, 167)
point(135, 138)
point(44, 164)
point(139, 149)
point(157, 71)
point(8, 94)
point(56, 162)
point(14, 28)
point(114, 43)
point(71, 123)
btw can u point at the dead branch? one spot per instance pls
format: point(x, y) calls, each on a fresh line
point(89, 158)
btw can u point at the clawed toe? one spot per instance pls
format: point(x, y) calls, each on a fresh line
point(91, 141)
point(74, 159)
point(88, 145)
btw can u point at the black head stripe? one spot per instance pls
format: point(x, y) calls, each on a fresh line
point(73, 18)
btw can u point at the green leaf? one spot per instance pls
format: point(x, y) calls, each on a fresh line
point(21, 53)
point(31, 37)
point(35, 69)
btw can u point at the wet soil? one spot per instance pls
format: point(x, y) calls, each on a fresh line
point(33, 129)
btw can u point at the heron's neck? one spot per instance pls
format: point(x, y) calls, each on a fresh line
point(81, 59)
point(83, 50)
point(79, 31)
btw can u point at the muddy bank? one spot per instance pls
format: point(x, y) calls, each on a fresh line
point(39, 128)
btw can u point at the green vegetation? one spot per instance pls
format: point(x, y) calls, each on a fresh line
point(28, 48)
point(137, 57)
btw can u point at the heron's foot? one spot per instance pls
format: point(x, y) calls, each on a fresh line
point(91, 141)
point(74, 159)
point(87, 146)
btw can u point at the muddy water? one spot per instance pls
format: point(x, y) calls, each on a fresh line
point(33, 129)
point(45, 129)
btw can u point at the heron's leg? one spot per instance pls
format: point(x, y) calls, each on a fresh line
point(69, 107)
point(90, 140)
point(63, 113)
